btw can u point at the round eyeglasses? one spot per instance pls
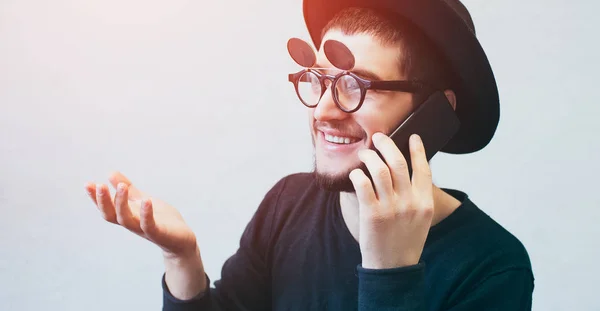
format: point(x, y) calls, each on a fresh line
point(348, 89)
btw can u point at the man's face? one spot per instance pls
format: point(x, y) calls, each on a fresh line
point(382, 111)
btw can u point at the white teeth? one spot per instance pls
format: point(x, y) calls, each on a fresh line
point(337, 139)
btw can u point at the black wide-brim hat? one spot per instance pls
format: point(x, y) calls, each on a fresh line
point(448, 25)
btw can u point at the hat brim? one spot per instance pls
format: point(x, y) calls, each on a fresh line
point(477, 107)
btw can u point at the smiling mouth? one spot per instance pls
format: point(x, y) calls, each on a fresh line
point(340, 140)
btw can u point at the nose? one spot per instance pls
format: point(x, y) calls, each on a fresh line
point(327, 109)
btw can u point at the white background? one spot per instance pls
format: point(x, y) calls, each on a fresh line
point(190, 99)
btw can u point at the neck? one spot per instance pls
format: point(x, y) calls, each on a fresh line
point(444, 205)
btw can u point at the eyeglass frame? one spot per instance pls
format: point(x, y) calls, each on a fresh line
point(409, 86)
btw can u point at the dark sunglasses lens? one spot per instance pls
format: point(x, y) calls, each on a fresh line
point(347, 92)
point(309, 89)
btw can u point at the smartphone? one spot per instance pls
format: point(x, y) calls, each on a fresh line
point(434, 121)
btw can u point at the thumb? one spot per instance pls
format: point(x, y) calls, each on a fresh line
point(117, 177)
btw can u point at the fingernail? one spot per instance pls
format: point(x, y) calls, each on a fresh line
point(415, 138)
point(145, 204)
point(121, 187)
point(360, 154)
point(99, 189)
point(377, 136)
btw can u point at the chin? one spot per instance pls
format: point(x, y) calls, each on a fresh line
point(333, 183)
point(336, 181)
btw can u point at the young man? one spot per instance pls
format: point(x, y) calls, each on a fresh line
point(333, 239)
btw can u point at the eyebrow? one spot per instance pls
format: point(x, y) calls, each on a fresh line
point(359, 72)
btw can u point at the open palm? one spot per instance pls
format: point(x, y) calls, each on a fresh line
point(150, 218)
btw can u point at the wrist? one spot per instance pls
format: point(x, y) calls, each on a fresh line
point(184, 274)
point(181, 257)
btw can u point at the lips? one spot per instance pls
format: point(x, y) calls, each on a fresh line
point(340, 139)
point(334, 147)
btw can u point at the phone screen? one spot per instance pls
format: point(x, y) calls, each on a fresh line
point(434, 121)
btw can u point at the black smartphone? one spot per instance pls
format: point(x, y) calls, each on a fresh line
point(434, 121)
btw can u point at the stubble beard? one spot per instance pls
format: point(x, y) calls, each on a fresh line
point(339, 182)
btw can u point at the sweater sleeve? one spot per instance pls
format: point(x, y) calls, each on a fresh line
point(391, 289)
point(245, 276)
point(403, 289)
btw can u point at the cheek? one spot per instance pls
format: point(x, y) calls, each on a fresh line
point(371, 120)
point(384, 114)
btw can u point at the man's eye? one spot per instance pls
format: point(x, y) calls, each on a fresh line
point(348, 84)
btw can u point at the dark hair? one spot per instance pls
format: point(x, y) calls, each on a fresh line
point(418, 59)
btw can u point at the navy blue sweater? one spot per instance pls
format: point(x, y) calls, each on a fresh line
point(297, 254)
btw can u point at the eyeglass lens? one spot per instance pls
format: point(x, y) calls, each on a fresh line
point(347, 90)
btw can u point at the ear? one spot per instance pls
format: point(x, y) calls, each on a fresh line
point(451, 98)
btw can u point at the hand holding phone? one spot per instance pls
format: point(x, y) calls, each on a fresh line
point(395, 212)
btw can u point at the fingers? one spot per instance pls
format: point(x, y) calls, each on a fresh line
point(101, 196)
point(380, 173)
point(421, 178)
point(90, 188)
point(118, 211)
point(147, 223)
point(396, 162)
point(362, 186)
point(117, 177)
point(123, 211)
